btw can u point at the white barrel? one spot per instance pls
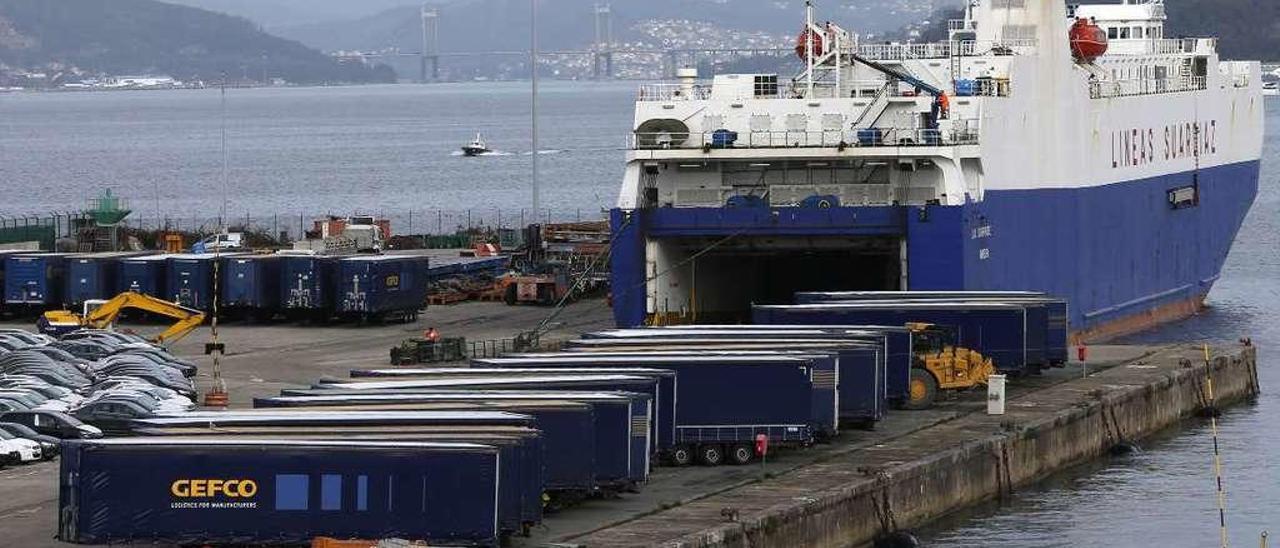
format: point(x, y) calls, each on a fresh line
point(995, 394)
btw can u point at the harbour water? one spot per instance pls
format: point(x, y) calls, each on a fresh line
point(392, 148)
point(313, 150)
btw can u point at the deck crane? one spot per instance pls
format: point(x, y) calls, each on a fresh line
point(939, 107)
point(100, 314)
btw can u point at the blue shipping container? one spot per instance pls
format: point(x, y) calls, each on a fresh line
point(374, 287)
point(306, 282)
point(146, 275)
point(94, 276)
point(251, 282)
point(229, 491)
point(189, 279)
point(37, 280)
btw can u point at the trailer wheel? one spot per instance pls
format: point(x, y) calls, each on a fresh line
point(711, 455)
point(681, 456)
point(509, 295)
point(923, 390)
point(741, 454)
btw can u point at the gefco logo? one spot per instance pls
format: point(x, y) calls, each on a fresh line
point(214, 493)
point(393, 281)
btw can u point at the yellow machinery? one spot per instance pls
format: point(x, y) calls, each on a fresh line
point(100, 314)
point(938, 364)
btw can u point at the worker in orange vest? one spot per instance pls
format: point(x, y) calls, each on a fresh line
point(431, 335)
point(944, 106)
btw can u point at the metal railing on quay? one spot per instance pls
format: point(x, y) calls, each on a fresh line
point(293, 226)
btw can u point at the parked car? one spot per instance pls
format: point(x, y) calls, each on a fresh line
point(116, 414)
point(58, 425)
point(49, 445)
point(26, 450)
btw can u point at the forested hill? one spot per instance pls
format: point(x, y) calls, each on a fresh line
point(1246, 29)
point(116, 37)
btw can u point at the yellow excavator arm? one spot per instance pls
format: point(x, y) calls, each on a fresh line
point(102, 314)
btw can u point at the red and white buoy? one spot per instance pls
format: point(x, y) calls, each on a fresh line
point(1088, 41)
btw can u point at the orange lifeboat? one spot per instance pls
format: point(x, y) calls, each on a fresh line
point(802, 44)
point(1088, 41)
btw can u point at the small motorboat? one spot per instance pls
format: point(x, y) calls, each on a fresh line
point(1271, 88)
point(475, 147)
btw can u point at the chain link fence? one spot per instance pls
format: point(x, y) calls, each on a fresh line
point(416, 222)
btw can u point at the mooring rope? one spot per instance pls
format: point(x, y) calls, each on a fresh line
point(1217, 454)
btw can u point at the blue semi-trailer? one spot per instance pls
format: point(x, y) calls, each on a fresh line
point(722, 403)
point(661, 422)
point(307, 285)
point(599, 436)
point(146, 275)
point(898, 342)
point(998, 330)
point(189, 278)
point(251, 284)
point(376, 287)
point(35, 280)
point(863, 400)
point(94, 276)
point(1056, 311)
point(245, 491)
point(861, 382)
point(521, 478)
point(614, 413)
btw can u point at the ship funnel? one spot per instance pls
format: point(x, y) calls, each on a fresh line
point(688, 77)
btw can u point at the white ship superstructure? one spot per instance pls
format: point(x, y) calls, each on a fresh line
point(1007, 157)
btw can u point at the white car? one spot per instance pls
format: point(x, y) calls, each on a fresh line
point(25, 450)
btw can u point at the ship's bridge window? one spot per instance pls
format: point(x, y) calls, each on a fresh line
point(1124, 33)
point(1113, 33)
point(766, 85)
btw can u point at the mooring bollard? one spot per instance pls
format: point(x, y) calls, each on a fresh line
point(995, 394)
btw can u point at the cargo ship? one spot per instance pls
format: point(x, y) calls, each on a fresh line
point(1073, 150)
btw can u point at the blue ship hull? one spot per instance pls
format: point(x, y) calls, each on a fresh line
point(1122, 254)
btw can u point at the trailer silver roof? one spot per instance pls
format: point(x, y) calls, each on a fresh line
point(480, 371)
point(462, 396)
point(387, 417)
point(647, 342)
point(903, 305)
point(682, 357)
point(153, 441)
point(695, 355)
point(445, 383)
point(912, 294)
point(762, 327)
point(761, 330)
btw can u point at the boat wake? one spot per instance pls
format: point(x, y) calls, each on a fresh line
point(489, 153)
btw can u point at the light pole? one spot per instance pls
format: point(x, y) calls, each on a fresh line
point(533, 64)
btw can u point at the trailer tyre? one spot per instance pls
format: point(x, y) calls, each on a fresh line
point(711, 455)
point(923, 390)
point(741, 454)
point(681, 456)
point(509, 295)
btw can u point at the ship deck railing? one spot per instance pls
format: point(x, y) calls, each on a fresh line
point(965, 133)
point(1105, 89)
point(1162, 46)
point(786, 195)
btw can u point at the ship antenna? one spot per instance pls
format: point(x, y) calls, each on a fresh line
point(809, 37)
